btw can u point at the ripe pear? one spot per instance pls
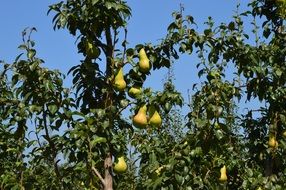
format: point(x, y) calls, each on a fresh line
point(158, 170)
point(140, 119)
point(155, 118)
point(223, 176)
point(272, 142)
point(284, 134)
point(119, 82)
point(120, 166)
point(144, 63)
point(134, 91)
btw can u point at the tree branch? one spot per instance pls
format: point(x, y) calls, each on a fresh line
point(52, 145)
point(101, 45)
point(109, 53)
point(124, 45)
point(98, 175)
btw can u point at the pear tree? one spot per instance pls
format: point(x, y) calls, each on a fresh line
point(52, 137)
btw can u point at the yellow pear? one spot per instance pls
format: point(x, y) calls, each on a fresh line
point(155, 118)
point(134, 91)
point(158, 170)
point(119, 82)
point(144, 63)
point(272, 142)
point(120, 166)
point(140, 119)
point(223, 176)
point(284, 134)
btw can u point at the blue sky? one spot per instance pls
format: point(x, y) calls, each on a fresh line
point(149, 21)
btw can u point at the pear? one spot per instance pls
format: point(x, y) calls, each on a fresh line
point(223, 176)
point(217, 111)
point(134, 91)
point(119, 82)
point(140, 119)
point(155, 118)
point(91, 50)
point(272, 142)
point(158, 170)
point(120, 166)
point(216, 125)
point(284, 134)
point(144, 63)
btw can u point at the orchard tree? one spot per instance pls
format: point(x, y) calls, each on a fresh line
point(101, 85)
point(224, 149)
point(109, 131)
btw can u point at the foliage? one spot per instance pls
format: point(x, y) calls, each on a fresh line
point(52, 137)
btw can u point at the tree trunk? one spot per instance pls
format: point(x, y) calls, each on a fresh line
point(108, 175)
point(268, 166)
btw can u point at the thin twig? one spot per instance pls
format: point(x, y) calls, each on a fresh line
point(124, 47)
point(37, 135)
point(123, 108)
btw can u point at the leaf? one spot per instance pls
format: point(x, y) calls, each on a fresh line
point(231, 26)
point(179, 179)
point(98, 140)
point(278, 72)
point(52, 108)
point(172, 26)
point(208, 32)
point(22, 47)
point(15, 79)
point(59, 123)
point(31, 53)
point(93, 2)
point(201, 72)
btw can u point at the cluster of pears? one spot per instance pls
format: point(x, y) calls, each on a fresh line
point(119, 82)
point(120, 166)
point(223, 176)
point(140, 120)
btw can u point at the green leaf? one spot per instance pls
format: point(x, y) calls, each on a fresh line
point(179, 179)
point(98, 140)
point(278, 72)
point(94, 2)
point(31, 53)
point(52, 108)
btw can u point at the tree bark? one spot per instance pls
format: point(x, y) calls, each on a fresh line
point(108, 184)
point(108, 174)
